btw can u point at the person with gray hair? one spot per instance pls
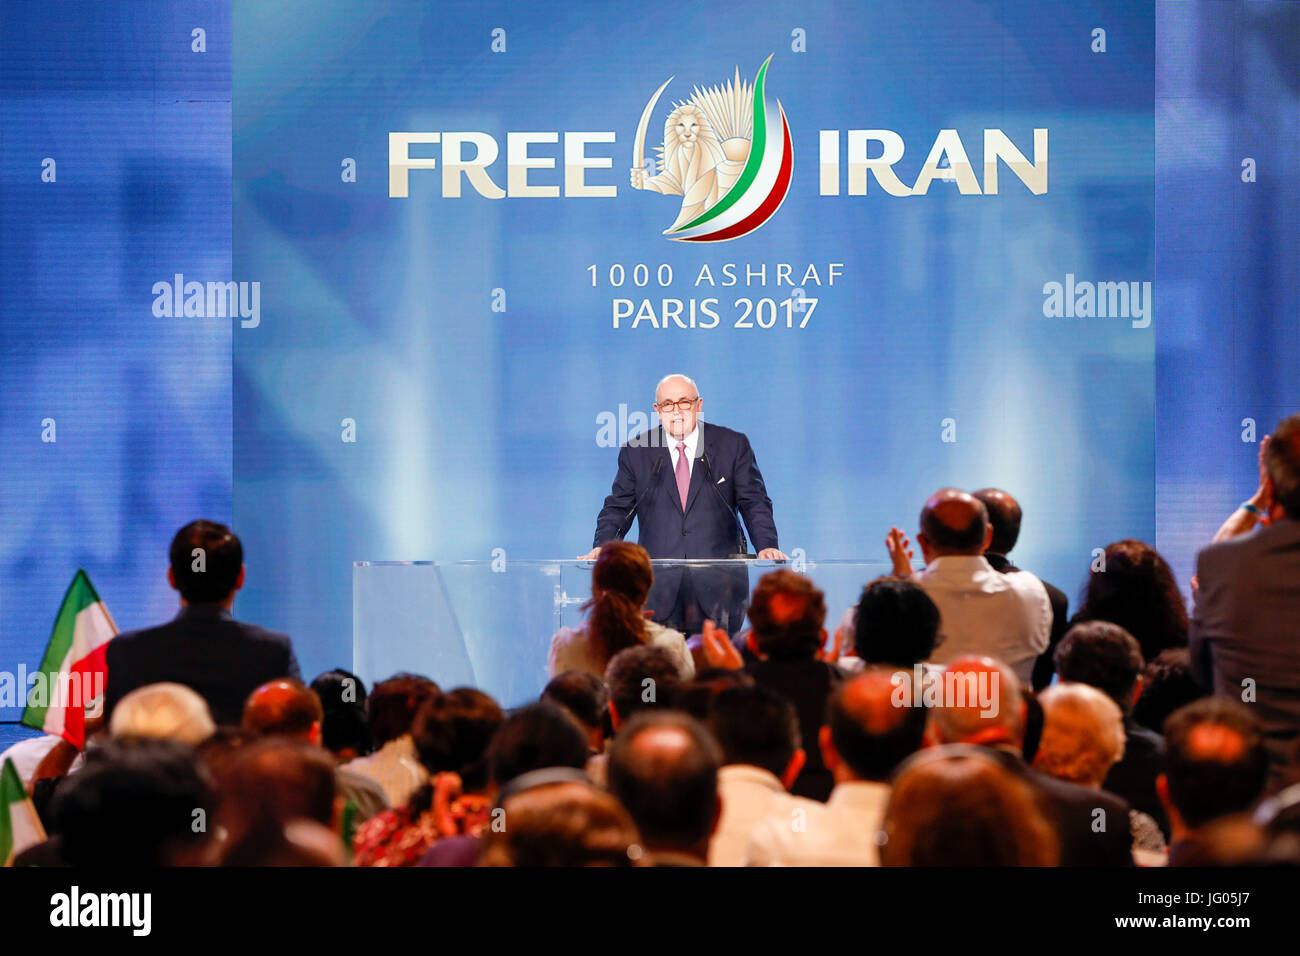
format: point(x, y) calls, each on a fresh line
point(661, 482)
point(163, 711)
point(981, 702)
point(1083, 737)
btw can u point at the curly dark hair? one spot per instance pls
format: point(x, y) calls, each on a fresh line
point(1136, 590)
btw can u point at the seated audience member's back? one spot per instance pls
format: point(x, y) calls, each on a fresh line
point(1005, 516)
point(663, 768)
point(1216, 766)
point(869, 732)
point(787, 613)
point(982, 704)
point(762, 754)
point(895, 623)
point(265, 787)
point(163, 712)
point(563, 824)
point(1134, 587)
point(586, 698)
point(641, 678)
point(1107, 657)
point(983, 611)
point(343, 699)
point(203, 647)
point(955, 806)
point(289, 708)
point(133, 804)
point(390, 714)
point(1167, 685)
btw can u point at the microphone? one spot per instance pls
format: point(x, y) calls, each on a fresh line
point(627, 522)
point(742, 549)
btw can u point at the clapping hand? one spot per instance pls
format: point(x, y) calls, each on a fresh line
point(718, 649)
point(900, 552)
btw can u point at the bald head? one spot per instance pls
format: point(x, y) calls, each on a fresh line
point(663, 767)
point(872, 726)
point(953, 522)
point(287, 707)
point(981, 703)
point(1004, 514)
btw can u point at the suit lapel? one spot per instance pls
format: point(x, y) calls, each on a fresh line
point(698, 476)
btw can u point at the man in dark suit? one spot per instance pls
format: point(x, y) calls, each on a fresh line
point(1005, 515)
point(684, 482)
point(203, 647)
point(1245, 632)
point(1093, 825)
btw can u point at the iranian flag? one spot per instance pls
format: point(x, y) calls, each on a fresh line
point(73, 672)
point(20, 827)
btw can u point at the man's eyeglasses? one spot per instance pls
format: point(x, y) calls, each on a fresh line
point(682, 403)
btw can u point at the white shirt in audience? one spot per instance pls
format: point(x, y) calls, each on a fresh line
point(982, 611)
point(749, 796)
point(395, 767)
point(572, 649)
point(841, 832)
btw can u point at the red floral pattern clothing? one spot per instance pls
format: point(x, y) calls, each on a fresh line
point(394, 838)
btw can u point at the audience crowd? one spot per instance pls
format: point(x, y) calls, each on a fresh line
point(960, 716)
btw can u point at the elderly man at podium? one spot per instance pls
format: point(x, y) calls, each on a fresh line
point(684, 482)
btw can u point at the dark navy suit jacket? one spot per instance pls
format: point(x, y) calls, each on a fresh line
point(204, 648)
point(707, 526)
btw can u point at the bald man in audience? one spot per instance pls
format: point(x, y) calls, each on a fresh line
point(1006, 616)
point(981, 703)
point(1005, 515)
point(663, 767)
point(289, 708)
point(866, 737)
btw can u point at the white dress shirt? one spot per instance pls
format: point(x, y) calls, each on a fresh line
point(982, 611)
point(692, 442)
point(749, 796)
point(840, 832)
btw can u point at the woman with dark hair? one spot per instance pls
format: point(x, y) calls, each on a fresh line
point(620, 584)
point(1134, 587)
point(452, 732)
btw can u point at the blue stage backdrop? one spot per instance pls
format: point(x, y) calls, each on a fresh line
point(465, 304)
point(480, 372)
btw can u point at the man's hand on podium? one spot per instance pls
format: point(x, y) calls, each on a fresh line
point(773, 554)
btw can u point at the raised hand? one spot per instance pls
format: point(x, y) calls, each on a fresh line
point(718, 649)
point(900, 552)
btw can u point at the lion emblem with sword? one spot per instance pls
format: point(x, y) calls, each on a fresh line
point(707, 140)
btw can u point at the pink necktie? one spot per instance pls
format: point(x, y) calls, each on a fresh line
point(683, 473)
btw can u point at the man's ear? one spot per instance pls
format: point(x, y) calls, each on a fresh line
point(239, 581)
point(988, 536)
point(924, 544)
point(171, 579)
point(830, 756)
point(614, 720)
point(314, 734)
point(717, 814)
point(797, 760)
point(1137, 692)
